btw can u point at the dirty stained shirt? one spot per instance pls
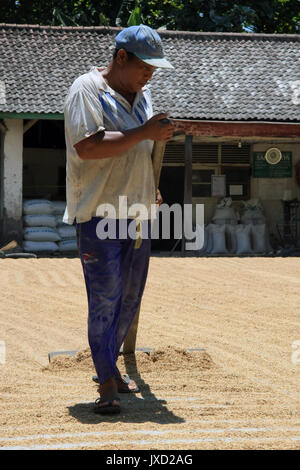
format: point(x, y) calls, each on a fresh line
point(92, 106)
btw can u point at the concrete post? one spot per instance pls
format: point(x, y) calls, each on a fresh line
point(11, 181)
point(188, 174)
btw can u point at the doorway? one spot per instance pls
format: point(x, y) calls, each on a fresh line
point(171, 186)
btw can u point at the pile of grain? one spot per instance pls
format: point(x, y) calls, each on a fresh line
point(164, 359)
point(81, 361)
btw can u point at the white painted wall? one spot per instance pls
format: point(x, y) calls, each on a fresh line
point(12, 175)
point(13, 168)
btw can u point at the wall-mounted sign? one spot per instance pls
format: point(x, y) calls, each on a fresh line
point(263, 169)
point(218, 185)
point(235, 190)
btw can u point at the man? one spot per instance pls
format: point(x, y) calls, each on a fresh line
point(110, 130)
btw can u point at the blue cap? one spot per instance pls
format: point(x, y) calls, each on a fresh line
point(145, 43)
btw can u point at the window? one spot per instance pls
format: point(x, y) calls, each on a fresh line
point(202, 153)
point(210, 159)
point(232, 154)
point(237, 181)
point(201, 182)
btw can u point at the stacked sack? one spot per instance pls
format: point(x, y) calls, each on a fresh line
point(226, 235)
point(66, 232)
point(218, 234)
point(254, 222)
point(44, 230)
point(39, 233)
point(253, 212)
point(224, 213)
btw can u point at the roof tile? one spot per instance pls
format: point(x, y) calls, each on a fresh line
point(218, 76)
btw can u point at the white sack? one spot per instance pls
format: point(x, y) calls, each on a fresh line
point(225, 221)
point(66, 231)
point(41, 234)
point(37, 206)
point(225, 202)
point(259, 238)
point(231, 238)
point(209, 244)
point(224, 213)
point(253, 204)
point(59, 221)
point(243, 233)
point(253, 216)
point(58, 207)
point(68, 245)
point(40, 220)
point(218, 239)
point(206, 236)
point(33, 247)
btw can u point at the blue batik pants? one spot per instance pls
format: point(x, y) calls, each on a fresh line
point(115, 272)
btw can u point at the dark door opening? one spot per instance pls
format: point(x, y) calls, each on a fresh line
point(171, 186)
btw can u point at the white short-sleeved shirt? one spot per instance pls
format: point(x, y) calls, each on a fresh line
point(92, 106)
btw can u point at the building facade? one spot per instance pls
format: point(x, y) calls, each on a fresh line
point(232, 96)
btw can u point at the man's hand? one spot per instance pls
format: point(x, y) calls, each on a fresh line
point(154, 129)
point(159, 199)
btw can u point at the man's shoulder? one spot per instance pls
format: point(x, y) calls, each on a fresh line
point(90, 82)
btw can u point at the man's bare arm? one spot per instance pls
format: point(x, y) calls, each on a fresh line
point(107, 144)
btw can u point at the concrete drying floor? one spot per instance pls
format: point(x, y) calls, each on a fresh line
point(241, 393)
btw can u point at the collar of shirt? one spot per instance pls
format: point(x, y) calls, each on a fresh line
point(118, 113)
point(103, 85)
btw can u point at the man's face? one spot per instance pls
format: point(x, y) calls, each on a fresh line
point(136, 74)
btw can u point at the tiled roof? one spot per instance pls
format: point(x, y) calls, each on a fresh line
point(217, 76)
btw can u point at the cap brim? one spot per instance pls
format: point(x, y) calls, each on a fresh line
point(156, 62)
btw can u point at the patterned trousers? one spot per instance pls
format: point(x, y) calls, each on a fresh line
point(115, 272)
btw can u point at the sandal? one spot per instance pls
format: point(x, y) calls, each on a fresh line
point(126, 380)
point(108, 407)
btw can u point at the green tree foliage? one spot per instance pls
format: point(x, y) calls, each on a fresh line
point(56, 12)
point(259, 16)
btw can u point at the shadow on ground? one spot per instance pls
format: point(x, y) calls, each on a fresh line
point(135, 408)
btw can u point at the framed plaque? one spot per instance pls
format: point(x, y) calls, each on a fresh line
point(263, 169)
point(218, 185)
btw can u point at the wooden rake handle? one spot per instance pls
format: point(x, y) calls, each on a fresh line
point(157, 160)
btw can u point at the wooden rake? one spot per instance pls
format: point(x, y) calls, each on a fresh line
point(157, 160)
